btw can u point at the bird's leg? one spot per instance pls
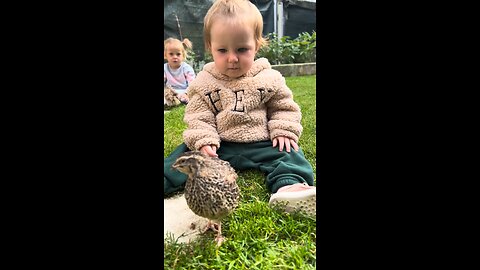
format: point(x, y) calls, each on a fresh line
point(219, 239)
point(210, 225)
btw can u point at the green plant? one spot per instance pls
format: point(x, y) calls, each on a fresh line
point(207, 57)
point(192, 59)
point(286, 50)
point(197, 62)
point(191, 56)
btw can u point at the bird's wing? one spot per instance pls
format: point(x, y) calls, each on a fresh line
point(230, 174)
point(231, 177)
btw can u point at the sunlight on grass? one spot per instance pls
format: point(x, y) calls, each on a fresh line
point(258, 237)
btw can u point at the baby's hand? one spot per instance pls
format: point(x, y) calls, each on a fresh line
point(183, 98)
point(284, 141)
point(210, 150)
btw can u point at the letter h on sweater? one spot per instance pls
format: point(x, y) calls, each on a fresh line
point(215, 99)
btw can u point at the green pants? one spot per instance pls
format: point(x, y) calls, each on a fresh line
point(280, 168)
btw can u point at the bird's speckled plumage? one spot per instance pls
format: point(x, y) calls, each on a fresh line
point(211, 190)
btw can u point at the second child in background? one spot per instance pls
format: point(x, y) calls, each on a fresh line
point(177, 74)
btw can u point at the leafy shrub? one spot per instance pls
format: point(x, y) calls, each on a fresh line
point(197, 62)
point(286, 50)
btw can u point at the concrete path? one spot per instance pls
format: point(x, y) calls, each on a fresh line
point(181, 221)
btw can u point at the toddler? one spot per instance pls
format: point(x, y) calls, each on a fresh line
point(241, 110)
point(176, 73)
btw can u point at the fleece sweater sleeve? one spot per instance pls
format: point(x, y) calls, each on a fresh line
point(201, 124)
point(283, 113)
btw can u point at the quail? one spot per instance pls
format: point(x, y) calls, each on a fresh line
point(211, 190)
point(170, 96)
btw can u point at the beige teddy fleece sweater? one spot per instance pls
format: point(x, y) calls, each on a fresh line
point(255, 107)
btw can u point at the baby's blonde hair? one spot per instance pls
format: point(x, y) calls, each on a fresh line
point(238, 11)
point(184, 45)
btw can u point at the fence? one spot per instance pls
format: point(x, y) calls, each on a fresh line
point(184, 19)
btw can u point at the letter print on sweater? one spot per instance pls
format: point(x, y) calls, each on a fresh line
point(214, 99)
point(238, 101)
point(262, 93)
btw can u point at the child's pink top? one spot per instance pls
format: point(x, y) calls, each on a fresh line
point(178, 79)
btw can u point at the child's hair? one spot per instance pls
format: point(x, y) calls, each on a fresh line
point(237, 11)
point(184, 45)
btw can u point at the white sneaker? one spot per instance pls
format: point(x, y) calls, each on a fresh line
point(297, 197)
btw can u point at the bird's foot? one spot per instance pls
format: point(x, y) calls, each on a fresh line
point(220, 239)
point(211, 226)
point(214, 227)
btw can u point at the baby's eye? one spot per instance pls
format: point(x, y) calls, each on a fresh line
point(178, 54)
point(171, 54)
point(222, 50)
point(242, 50)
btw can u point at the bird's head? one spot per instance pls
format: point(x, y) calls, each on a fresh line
point(190, 162)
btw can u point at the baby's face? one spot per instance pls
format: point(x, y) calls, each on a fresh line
point(233, 48)
point(174, 56)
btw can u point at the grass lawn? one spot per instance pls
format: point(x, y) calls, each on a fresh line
point(258, 237)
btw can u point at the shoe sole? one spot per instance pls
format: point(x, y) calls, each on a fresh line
point(301, 201)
